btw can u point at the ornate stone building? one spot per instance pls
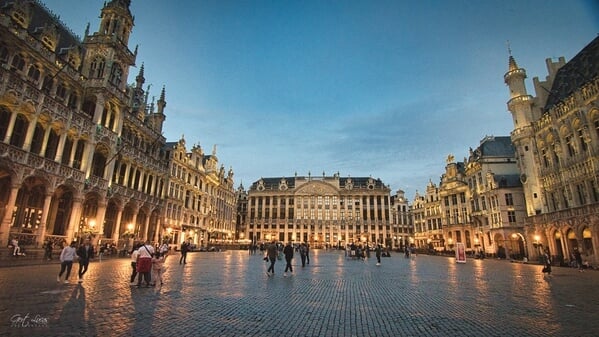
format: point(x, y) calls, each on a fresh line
point(200, 200)
point(428, 224)
point(321, 211)
point(479, 203)
point(80, 148)
point(497, 206)
point(402, 226)
point(556, 135)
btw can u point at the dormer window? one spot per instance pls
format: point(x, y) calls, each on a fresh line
point(20, 18)
point(49, 42)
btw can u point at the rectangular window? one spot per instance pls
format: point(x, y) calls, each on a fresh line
point(511, 217)
point(509, 199)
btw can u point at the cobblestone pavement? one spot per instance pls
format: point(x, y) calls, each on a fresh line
point(229, 294)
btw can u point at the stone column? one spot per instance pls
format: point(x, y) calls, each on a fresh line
point(11, 126)
point(10, 205)
point(117, 229)
point(75, 217)
point(43, 225)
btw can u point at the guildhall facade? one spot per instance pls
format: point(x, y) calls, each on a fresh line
point(81, 151)
point(323, 211)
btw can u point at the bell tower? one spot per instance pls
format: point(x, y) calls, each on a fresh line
point(108, 57)
point(520, 106)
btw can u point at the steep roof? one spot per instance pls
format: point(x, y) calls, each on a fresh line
point(497, 147)
point(583, 68)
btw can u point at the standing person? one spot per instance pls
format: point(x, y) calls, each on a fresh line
point(184, 250)
point(547, 262)
point(85, 253)
point(48, 250)
point(144, 263)
point(378, 254)
point(288, 252)
point(307, 253)
point(578, 258)
point(303, 251)
point(164, 249)
point(272, 253)
point(157, 266)
point(134, 257)
point(67, 255)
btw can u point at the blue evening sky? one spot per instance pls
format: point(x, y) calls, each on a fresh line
point(365, 88)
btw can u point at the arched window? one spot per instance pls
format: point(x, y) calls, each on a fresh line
point(38, 139)
point(34, 73)
point(98, 164)
point(52, 145)
point(18, 62)
point(4, 121)
point(587, 242)
point(96, 68)
point(19, 131)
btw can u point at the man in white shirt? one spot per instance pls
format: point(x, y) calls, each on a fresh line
point(144, 263)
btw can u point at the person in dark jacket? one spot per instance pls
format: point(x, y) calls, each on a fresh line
point(85, 252)
point(272, 252)
point(288, 252)
point(184, 250)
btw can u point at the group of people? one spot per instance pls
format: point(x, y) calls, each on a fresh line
point(147, 264)
point(274, 252)
point(82, 253)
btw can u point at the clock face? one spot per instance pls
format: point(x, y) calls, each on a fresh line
point(523, 178)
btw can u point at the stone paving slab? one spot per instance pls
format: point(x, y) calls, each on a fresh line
point(229, 294)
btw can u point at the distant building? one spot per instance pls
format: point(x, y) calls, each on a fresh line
point(428, 221)
point(497, 205)
point(322, 211)
point(479, 203)
point(200, 200)
point(401, 221)
point(556, 136)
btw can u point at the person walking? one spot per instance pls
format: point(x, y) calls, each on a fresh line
point(288, 252)
point(67, 255)
point(84, 253)
point(144, 263)
point(578, 258)
point(547, 262)
point(303, 251)
point(134, 257)
point(184, 250)
point(378, 254)
point(272, 253)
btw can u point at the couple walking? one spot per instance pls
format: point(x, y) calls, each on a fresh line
point(272, 253)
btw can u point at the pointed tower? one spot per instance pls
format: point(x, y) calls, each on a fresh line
point(520, 106)
point(156, 119)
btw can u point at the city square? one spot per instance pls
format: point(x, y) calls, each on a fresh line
point(228, 294)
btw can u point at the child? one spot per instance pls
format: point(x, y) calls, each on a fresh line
point(157, 268)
